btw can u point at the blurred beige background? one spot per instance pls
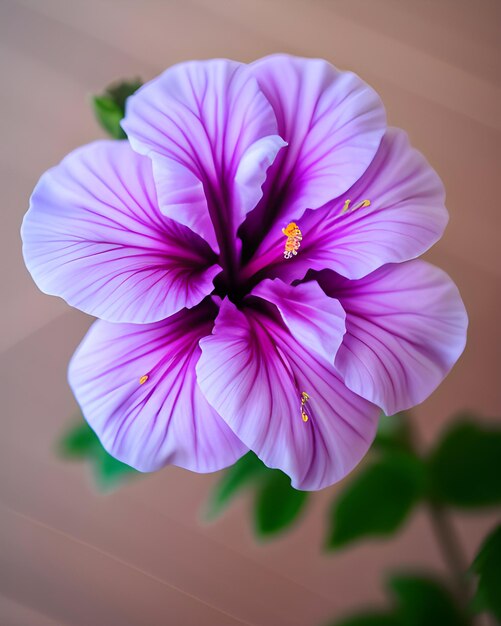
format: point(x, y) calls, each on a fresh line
point(141, 556)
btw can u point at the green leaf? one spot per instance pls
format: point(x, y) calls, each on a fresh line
point(417, 601)
point(244, 472)
point(488, 567)
point(111, 472)
point(378, 500)
point(121, 90)
point(370, 619)
point(277, 504)
point(466, 465)
point(81, 443)
point(394, 432)
point(109, 116)
point(423, 601)
point(109, 107)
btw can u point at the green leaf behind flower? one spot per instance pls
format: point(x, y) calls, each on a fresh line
point(81, 443)
point(415, 600)
point(488, 567)
point(465, 467)
point(277, 504)
point(378, 500)
point(233, 480)
point(423, 601)
point(394, 433)
point(369, 618)
point(109, 107)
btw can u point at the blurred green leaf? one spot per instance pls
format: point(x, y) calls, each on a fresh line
point(111, 472)
point(423, 601)
point(244, 472)
point(109, 107)
point(81, 443)
point(378, 500)
point(465, 467)
point(277, 504)
point(370, 619)
point(417, 600)
point(109, 116)
point(121, 90)
point(394, 432)
point(488, 567)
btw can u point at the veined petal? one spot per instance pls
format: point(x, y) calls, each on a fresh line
point(405, 329)
point(405, 217)
point(94, 236)
point(137, 388)
point(254, 373)
point(314, 319)
point(211, 134)
point(332, 122)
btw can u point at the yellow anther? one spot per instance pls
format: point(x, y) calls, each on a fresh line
point(304, 399)
point(360, 205)
point(143, 379)
point(294, 238)
point(291, 229)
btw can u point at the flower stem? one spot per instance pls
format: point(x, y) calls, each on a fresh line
point(447, 538)
point(451, 549)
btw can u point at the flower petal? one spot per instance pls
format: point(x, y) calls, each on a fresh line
point(405, 329)
point(333, 123)
point(253, 372)
point(405, 218)
point(164, 420)
point(313, 318)
point(211, 134)
point(94, 236)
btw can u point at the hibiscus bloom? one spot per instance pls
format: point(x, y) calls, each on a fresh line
point(249, 252)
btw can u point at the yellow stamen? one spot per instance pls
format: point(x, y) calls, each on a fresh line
point(346, 206)
point(304, 399)
point(360, 205)
point(294, 238)
point(143, 379)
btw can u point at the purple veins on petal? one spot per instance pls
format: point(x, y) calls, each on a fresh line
point(94, 236)
point(313, 318)
point(249, 250)
point(165, 419)
point(332, 122)
point(405, 329)
point(253, 371)
point(406, 217)
point(211, 134)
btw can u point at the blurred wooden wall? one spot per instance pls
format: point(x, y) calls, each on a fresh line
point(141, 556)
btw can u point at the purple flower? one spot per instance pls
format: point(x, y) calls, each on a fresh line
point(249, 254)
